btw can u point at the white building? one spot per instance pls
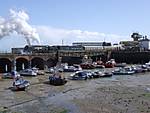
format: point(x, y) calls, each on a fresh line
point(144, 43)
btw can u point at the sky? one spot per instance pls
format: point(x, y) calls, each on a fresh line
point(78, 20)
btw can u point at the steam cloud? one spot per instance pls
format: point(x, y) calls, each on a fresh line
point(17, 22)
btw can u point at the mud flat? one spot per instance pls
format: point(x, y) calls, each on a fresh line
point(118, 94)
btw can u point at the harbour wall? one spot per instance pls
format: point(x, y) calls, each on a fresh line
point(131, 57)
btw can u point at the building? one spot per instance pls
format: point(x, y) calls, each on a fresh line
point(144, 44)
point(93, 45)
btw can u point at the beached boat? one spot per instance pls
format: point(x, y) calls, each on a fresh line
point(148, 63)
point(123, 71)
point(96, 74)
point(7, 76)
point(87, 66)
point(110, 64)
point(36, 70)
point(137, 69)
point(120, 64)
point(72, 68)
point(98, 65)
point(81, 75)
point(28, 72)
point(57, 81)
point(106, 74)
point(10, 75)
point(20, 84)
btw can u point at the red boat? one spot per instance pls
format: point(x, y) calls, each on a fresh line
point(87, 66)
point(110, 64)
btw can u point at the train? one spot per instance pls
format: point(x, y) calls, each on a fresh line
point(46, 49)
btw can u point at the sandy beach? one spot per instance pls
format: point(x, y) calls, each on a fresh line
point(118, 94)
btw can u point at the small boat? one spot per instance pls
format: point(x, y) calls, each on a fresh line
point(78, 67)
point(20, 84)
point(57, 79)
point(97, 65)
point(28, 72)
point(96, 74)
point(106, 74)
point(36, 70)
point(81, 75)
point(110, 64)
point(69, 69)
point(87, 66)
point(123, 71)
point(120, 65)
point(10, 75)
point(137, 69)
point(50, 70)
point(148, 64)
point(7, 76)
point(72, 68)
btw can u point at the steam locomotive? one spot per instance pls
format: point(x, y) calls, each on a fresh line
point(49, 49)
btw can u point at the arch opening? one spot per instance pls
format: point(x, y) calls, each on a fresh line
point(21, 63)
point(5, 65)
point(38, 63)
point(51, 63)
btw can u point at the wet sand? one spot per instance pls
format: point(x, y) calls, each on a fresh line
point(118, 94)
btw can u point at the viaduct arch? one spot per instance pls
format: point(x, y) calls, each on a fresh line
point(5, 65)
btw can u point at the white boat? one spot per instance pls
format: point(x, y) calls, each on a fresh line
point(20, 84)
point(36, 70)
point(11, 75)
point(28, 72)
point(72, 68)
point(123, 71)
point(147, 64)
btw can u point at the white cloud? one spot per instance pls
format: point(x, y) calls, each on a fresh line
point(50, 35)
